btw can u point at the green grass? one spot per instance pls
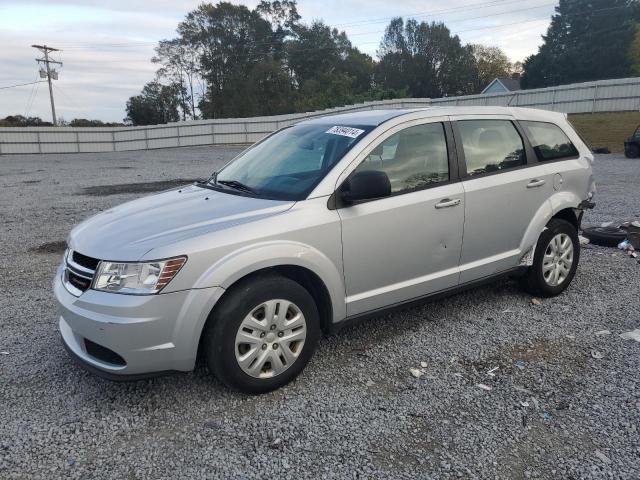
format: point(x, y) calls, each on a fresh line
point(606, 129)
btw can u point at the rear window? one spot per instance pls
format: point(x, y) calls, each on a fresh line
point(549, 141)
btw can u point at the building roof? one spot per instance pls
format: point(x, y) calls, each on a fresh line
point(509, 84)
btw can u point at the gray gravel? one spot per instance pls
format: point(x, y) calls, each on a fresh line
point(356, 411)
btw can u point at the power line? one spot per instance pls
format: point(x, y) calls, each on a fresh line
point(27, 106)
point(20, 84)
point(466, 7)
point(491, 27)
point(69, 99)
point(32, 99)
point(458, 20)
point(470, 6)
point(268, 44)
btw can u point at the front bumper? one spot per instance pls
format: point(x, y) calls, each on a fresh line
point(141, 334)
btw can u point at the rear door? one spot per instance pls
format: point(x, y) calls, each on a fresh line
point(504, 188)
point(407, 245)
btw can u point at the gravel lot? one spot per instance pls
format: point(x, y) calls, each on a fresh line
point(564, 401)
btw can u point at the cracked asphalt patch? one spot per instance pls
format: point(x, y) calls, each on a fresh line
point(58, 246)
point(553, 409)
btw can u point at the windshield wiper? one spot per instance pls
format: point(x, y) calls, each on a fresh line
point(238, 186)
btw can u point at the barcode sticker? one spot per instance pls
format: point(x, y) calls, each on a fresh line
point(345, 131)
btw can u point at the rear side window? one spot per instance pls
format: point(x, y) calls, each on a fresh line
point(490, 146)
point(549, 141)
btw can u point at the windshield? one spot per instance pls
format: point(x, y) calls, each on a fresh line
point(290, 163)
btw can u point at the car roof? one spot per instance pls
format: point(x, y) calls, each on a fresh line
point(373, 118)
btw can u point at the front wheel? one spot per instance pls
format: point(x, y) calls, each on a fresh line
point(555, 259)
point(262, 334)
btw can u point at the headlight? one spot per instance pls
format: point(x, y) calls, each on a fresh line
point(136, 278)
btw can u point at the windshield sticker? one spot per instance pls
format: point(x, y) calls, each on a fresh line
point(345, 131)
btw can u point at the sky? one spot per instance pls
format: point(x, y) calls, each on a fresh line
point(107, 45)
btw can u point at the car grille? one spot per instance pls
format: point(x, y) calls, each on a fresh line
point(84, 261)
point(79, 272)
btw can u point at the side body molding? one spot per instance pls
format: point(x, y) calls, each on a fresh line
point(254, 257)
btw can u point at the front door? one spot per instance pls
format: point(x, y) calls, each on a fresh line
point(407, 245)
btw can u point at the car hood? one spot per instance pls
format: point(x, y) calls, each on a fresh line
point(129, 231)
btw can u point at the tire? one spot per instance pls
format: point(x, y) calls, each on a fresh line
point(539, 279)
point(244, 314)
point(604, 236)
point(631, 151)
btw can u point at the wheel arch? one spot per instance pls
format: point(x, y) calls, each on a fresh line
point(569, 214)
point(561, 205)
point(302, 263)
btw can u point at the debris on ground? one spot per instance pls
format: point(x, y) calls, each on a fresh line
point(520, 364)
point(626, 246)
point(423, 364)
point(416, 372)
point(4, 353)
point(632, 335)
point(602, 456)
point(370, 383)
point(603, 332)
point(546, 415)
point(522, 390)
point(524, 404)
point(583, 240)
point(597, 355)
point(608, 234)
point(484, 387)
point(536, 301)
point(491, 372)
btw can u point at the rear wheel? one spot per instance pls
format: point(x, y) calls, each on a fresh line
point(262, 334)
point(555, 260)
point(632, 150)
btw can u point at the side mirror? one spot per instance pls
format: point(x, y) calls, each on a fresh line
point(365, 185)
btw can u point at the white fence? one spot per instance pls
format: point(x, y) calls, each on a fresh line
point(601, 96)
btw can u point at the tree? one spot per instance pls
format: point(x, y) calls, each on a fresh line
point(22, 121)
point(156, 104)
point(83, 122)
point(425, 60)
point(231, 40)
point(491, 63)
point(326, 68)
point(179, 65)
point(634, 52)
point(585, 41)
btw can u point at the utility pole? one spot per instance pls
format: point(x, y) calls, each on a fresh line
point(49, 73)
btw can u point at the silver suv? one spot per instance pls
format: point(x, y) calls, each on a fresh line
point(321, 223)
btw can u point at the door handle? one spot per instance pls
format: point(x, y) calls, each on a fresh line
point(536, 182)
point(447, 202)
